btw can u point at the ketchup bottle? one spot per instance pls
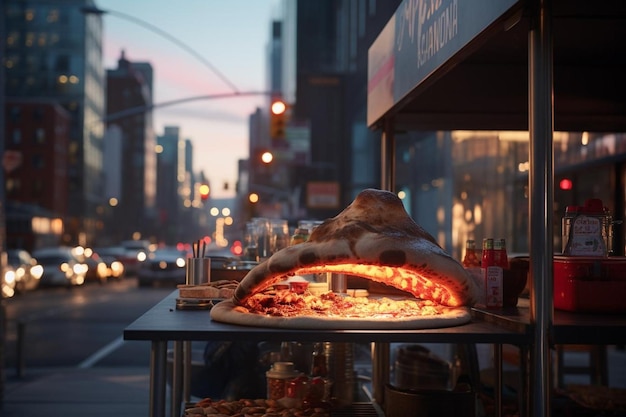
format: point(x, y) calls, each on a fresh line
point(471, 259)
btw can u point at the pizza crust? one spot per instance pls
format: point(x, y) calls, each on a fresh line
point(228, 312)
point(374, 238)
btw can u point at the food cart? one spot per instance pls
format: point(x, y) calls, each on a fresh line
point(505, 65)
point(535, 65)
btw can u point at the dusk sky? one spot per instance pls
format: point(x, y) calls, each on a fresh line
point(233, 36)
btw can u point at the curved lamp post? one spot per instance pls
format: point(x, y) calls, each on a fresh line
point(97, 11)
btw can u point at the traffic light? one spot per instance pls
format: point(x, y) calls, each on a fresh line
point(278, 119)
point(204, 192)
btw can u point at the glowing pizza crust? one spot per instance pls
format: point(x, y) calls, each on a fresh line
point(373, 238)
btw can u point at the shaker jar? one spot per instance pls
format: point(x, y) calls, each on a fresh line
point(278, 378)
point(587, 230)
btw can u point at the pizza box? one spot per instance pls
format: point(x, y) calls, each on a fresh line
point(590, 284)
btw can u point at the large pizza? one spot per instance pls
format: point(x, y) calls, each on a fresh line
point(373, 238)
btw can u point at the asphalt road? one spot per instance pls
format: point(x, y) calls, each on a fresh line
point(79, 327)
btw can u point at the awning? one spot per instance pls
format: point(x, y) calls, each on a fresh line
point(484, 85)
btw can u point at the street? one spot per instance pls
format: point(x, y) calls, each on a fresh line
point(78, 327)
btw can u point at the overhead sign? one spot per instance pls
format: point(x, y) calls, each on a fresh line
point(322, 194)
point(420, 37)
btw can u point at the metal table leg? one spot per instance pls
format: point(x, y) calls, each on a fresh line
point(187, 371)
point(158, 368)
point(177, 379)
point(497, 384)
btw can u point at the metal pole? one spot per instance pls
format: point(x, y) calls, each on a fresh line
point(541, 179)
point(387, 152)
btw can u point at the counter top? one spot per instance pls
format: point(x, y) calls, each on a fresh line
point(567, 327)
point(164, 322)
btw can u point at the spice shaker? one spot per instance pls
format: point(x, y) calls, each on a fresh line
point(278, 378)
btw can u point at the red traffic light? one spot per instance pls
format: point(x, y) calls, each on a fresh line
point(566, 184)
point(204, 191)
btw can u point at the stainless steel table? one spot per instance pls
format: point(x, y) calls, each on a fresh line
point(164, 323)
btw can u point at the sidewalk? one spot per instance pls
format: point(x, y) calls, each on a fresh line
point(74, 392)
point(124, 392)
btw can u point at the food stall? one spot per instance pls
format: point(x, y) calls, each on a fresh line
point(536, 65)
point(493, 69)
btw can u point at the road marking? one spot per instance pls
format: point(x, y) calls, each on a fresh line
point(93, 359)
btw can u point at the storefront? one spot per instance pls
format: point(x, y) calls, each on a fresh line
point(527, 66)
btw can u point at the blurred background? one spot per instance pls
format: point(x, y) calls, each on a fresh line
point(148, 121)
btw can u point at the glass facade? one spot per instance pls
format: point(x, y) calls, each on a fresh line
point(474, 184)
point(54, 54)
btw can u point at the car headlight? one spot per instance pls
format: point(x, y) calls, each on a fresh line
point(36, 271)
point(9, 277)
point(180, 262)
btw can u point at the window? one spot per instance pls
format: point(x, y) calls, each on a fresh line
point(40, 136)
point(37, 161)
point(16, 137)
point(16, 114)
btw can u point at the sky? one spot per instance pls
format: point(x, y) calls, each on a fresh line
point(232, 36)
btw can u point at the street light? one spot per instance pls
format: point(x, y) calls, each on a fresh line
point(99, 12)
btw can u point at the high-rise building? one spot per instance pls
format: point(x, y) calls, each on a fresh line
point(129, 97)
point(53, 56)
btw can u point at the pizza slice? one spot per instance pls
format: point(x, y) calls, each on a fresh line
point(373, 238)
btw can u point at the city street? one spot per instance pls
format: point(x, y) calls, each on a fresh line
point(78, 327)
point(65, 353)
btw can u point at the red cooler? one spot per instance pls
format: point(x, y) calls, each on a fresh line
point(590, 284)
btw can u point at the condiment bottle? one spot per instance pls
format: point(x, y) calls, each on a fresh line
point(278, 377)
point(318, 361)
point(492, 275)
point(471, 259)
point(300, 235)
point(501, 258)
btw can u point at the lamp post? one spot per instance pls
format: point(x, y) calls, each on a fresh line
point(100, 12)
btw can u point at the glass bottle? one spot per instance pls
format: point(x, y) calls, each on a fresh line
point(488, 253)
point(471, 259)
point(301, 235)
point(501, 258)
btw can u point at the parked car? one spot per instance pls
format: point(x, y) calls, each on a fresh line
point(164, 265)
point(28, 271)
point(119, 261)
point(96, 268)
point(114, 267)
point(7, 283)
point(136, 252)
point(60, 267)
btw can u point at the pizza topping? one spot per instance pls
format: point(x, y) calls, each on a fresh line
point(285, 303)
